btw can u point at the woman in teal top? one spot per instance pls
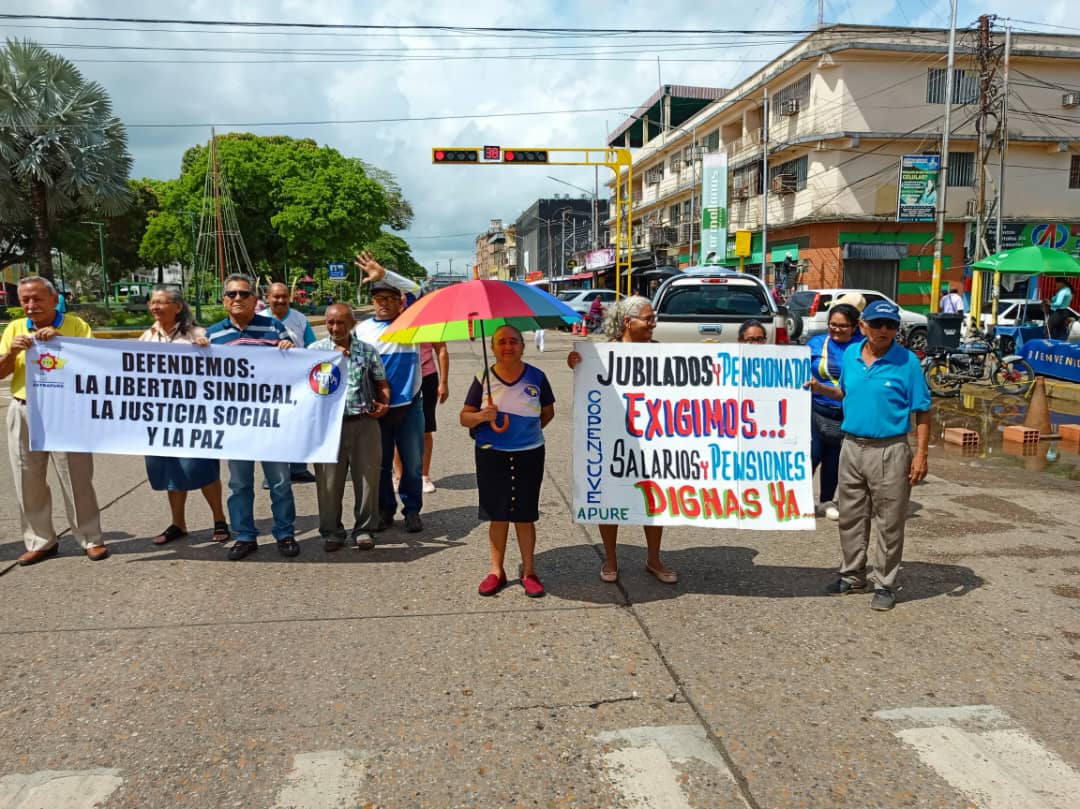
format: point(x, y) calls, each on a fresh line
point(1059, 311)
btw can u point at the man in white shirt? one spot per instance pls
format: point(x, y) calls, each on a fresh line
point(952, 303)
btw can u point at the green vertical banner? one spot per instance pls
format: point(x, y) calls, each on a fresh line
point(714, 208)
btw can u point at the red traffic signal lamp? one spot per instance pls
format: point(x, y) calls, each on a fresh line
point(525, 156)
point(439, 155)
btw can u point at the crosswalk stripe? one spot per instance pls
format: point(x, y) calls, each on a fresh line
point(982, 754)
point(642, 764)
point(325, 780)
point(58, 789)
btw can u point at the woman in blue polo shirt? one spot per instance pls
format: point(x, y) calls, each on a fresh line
point(826, 352)
point(508, 429)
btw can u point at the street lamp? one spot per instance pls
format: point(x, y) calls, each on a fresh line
point(595, 212)
point(101, 245)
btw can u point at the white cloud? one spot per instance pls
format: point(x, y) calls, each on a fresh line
point(447, 200)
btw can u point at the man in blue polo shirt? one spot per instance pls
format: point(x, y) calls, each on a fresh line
point(244, 327)
point(881, 385)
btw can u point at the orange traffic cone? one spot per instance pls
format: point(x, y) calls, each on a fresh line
point(584, 328)
point(1038, 412)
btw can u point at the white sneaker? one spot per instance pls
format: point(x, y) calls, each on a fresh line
point(428, 487)
point(831, 511)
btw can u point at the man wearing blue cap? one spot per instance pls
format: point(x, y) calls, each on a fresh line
point(881, 385)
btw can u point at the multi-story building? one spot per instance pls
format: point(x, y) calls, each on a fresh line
point(552, 231)
point(492, 253)
point(844, 105)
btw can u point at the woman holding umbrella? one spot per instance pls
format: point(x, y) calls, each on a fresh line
point(631, 320)
point(506, 410)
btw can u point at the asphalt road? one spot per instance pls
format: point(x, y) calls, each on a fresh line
point(170, 677)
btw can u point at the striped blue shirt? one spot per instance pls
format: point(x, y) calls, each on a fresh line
point(261, 331)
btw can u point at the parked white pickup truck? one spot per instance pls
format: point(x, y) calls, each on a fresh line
point(708, 304)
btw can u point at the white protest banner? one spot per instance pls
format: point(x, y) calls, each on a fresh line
point(700, 434)
point(233, 402)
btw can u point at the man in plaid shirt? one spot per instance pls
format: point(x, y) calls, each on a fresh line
point(366, 400)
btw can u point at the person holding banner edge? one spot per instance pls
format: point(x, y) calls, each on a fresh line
point(300, 332)
point(243, 327)
point(174, 323)
point(881, 384)
point(29, 469)
point(630, 320)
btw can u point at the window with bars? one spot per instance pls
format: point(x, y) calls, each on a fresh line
point(961, 168)
point(674, 214)
point(711, 142)
point(965, 86)
point(796, 90)
point(1074, 172)
point(795, 169)
point(748, 177)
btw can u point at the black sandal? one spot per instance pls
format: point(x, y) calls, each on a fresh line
point(221, 531)
point(168, 535)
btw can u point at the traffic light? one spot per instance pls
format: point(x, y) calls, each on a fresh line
point(439, 155)
point(525, 156)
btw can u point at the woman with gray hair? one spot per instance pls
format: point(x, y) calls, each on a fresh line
point(174, 323)
point(630, 320)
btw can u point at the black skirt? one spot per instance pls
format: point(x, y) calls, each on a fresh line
point(509, 484)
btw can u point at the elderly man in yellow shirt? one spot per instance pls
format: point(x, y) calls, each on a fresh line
point(43, 322)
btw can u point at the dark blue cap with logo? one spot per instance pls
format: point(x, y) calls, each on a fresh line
point(881, 310)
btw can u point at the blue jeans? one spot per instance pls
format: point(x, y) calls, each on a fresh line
point(404, 431)
point(242, 499)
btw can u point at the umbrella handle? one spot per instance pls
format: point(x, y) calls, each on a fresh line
point(495, 424)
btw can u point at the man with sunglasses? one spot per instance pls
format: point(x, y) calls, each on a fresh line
point(244, 327)
point(881, 385)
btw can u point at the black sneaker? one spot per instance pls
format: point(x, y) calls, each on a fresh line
point(241, 549)
point(883, 600)
point(302, 477)
point(413, 525)
point(386, 520)
point(288, 547)
point(843, 587)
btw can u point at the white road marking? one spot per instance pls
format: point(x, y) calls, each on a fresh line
point(980, 752)
point(331, 779)
point(58, 789)
point(641, 766)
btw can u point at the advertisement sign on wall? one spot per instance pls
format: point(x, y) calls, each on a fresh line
point(918, 188)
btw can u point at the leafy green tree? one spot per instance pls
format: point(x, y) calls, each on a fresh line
point(61, 148)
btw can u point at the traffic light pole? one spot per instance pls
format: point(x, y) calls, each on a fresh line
point(615, 159)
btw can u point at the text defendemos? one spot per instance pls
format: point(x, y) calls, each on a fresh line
point(230, 402)
point(693, 434)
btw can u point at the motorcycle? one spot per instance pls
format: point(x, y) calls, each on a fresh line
point(980, 359)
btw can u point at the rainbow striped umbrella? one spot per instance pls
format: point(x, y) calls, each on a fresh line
point(476, 309)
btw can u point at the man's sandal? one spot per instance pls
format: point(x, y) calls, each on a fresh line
point(168, 535)
point(221, 531)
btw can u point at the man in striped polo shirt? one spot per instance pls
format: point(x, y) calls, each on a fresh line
point(244, 327)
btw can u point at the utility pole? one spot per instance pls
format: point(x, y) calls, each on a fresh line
point(765, 182)
point(943, 171)
point(984, 57)
point(104, 276)
point(1003, 151)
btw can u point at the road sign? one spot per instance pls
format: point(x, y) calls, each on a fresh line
point(337, 271)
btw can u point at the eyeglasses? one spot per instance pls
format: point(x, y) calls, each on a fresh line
point(754, 339)
point(841, 326)
point(651, 319)
point(242, 294)
point(891, 325)
point(385, 298)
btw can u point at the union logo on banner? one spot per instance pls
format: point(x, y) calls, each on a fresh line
point(1050, 235)
point(324, 378)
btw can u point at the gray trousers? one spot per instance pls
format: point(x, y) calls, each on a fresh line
point(873, 483)
point(360, 451)
point(30, 472)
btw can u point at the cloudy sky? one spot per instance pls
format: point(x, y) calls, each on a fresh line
point(389, 95)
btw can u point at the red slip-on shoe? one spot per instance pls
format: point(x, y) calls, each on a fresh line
point(533, 587)
point(492, 584)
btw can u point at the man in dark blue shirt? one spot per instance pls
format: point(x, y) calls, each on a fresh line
point(244, 327)
point(881, 385)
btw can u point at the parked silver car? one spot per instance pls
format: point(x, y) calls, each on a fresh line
point(580, 300)
point(708, 304)
point(808, 314)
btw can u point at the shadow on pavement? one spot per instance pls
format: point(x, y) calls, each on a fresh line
point(457, 483)
point(724, 570)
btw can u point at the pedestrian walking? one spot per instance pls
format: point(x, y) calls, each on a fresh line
point(41, 323)
point(367, 396)
point(242, 326)
point(509, 454)
point(630, 320)
point(826, 414)
point(174, 323)
point(951, 303)
point(881, 385)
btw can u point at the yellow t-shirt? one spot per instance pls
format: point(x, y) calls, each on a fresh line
point(71, 327)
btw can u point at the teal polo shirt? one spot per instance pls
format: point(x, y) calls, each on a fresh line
point(879, 399)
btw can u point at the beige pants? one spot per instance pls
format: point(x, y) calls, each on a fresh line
point(873, 483)
point(30, 472)
point(360, 450)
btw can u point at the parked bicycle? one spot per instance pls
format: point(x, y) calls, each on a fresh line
point(979, 360)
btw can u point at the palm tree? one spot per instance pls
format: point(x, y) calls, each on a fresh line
point(61, 148)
